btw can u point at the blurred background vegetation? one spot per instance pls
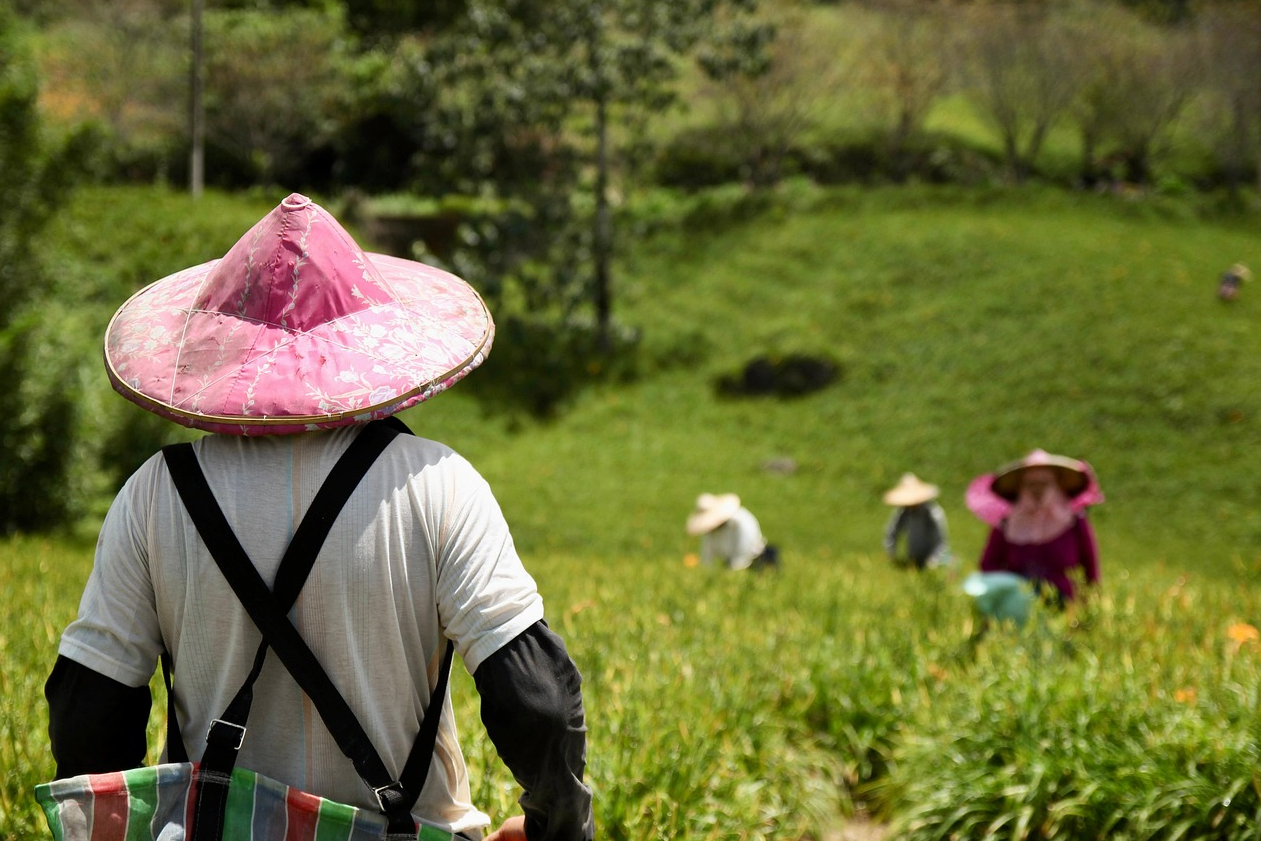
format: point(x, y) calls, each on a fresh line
point(529, 145)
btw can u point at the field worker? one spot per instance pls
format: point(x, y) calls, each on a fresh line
point(290, 349)
point(1044, 536)
point(730, 533)
point(919, 521)
point(1231, 281)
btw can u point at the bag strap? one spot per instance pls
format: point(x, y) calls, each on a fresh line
point(269, 613)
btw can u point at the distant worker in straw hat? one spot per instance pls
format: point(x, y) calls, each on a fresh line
point(919, 522)
point(1037, 509)
point(730, 534)
point(296, 350)
point(1232, 280)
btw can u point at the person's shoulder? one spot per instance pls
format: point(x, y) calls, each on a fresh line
point(148, 471)
point(425, 457)
point(427, 448)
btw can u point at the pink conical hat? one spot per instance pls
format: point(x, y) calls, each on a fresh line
point(296, 328)
point(990, 496)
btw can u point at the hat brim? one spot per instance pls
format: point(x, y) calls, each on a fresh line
point(707, 519)
point(216, 371)
point(911, 495)
point(1070, 474)
point(992, 509)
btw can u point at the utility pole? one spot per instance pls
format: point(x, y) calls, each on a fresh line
point(197, 111)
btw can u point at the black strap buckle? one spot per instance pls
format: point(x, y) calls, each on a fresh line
point(224, 733)
point(390, 797)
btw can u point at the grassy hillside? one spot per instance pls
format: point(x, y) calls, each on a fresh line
point(970, 327)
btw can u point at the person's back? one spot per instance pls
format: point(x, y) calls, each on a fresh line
point(923, 528)
point(419, 553)
point(400, 566)
point(737, 542)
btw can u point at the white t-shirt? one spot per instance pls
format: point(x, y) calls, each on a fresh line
point(737, 542)
point(422, 530)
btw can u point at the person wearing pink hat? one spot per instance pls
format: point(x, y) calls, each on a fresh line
point(1043, 535)
point(313, 552)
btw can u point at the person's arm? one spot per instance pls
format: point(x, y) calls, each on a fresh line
point(532, 709)
point(95, 723)
point(891, 530)
point(994, 558)
point(941, 554)
point(98, 691)
point(1088, 550)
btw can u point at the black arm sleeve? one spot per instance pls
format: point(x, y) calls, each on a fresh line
point(531, 696)
point(95, 723)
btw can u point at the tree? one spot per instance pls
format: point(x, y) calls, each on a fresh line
point(387, 18)
point(769, 80)
point(1230, 37)
point(119, 64)
point(271, 79)
point(536, 98)
point(906, 67)
point(1136, 80)
point(1021, 71)
point(37, 387)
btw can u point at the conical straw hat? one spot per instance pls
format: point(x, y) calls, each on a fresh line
point(711, 511)
point(1071, 474)
point(910, 490)
point(296, 328)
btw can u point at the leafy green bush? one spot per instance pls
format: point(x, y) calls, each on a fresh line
point(538, 364)
point(701, 157)
point(868, 159)
point(39, 387)
point(40, 425)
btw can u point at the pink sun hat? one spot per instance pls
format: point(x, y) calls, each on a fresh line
point(990, 496)
point(296, 328)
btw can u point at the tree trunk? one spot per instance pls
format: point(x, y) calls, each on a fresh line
point(1259, 169)
point(1138, 165)
point(603, 242)
point(197, 115)
point(1014, 162)
point(1089, 175)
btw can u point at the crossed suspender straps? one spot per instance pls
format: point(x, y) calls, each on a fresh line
point(269, 611)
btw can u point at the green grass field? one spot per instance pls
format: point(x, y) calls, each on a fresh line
point(970, 327)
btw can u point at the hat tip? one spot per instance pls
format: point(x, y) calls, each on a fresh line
point(295, 201)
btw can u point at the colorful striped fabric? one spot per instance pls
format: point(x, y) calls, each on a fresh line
point(153, 804)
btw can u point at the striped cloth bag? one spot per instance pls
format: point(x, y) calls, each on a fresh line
point(154, 804)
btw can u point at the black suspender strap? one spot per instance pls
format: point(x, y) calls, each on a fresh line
point(224, 739)
point(416, 769)
point(269, 611)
